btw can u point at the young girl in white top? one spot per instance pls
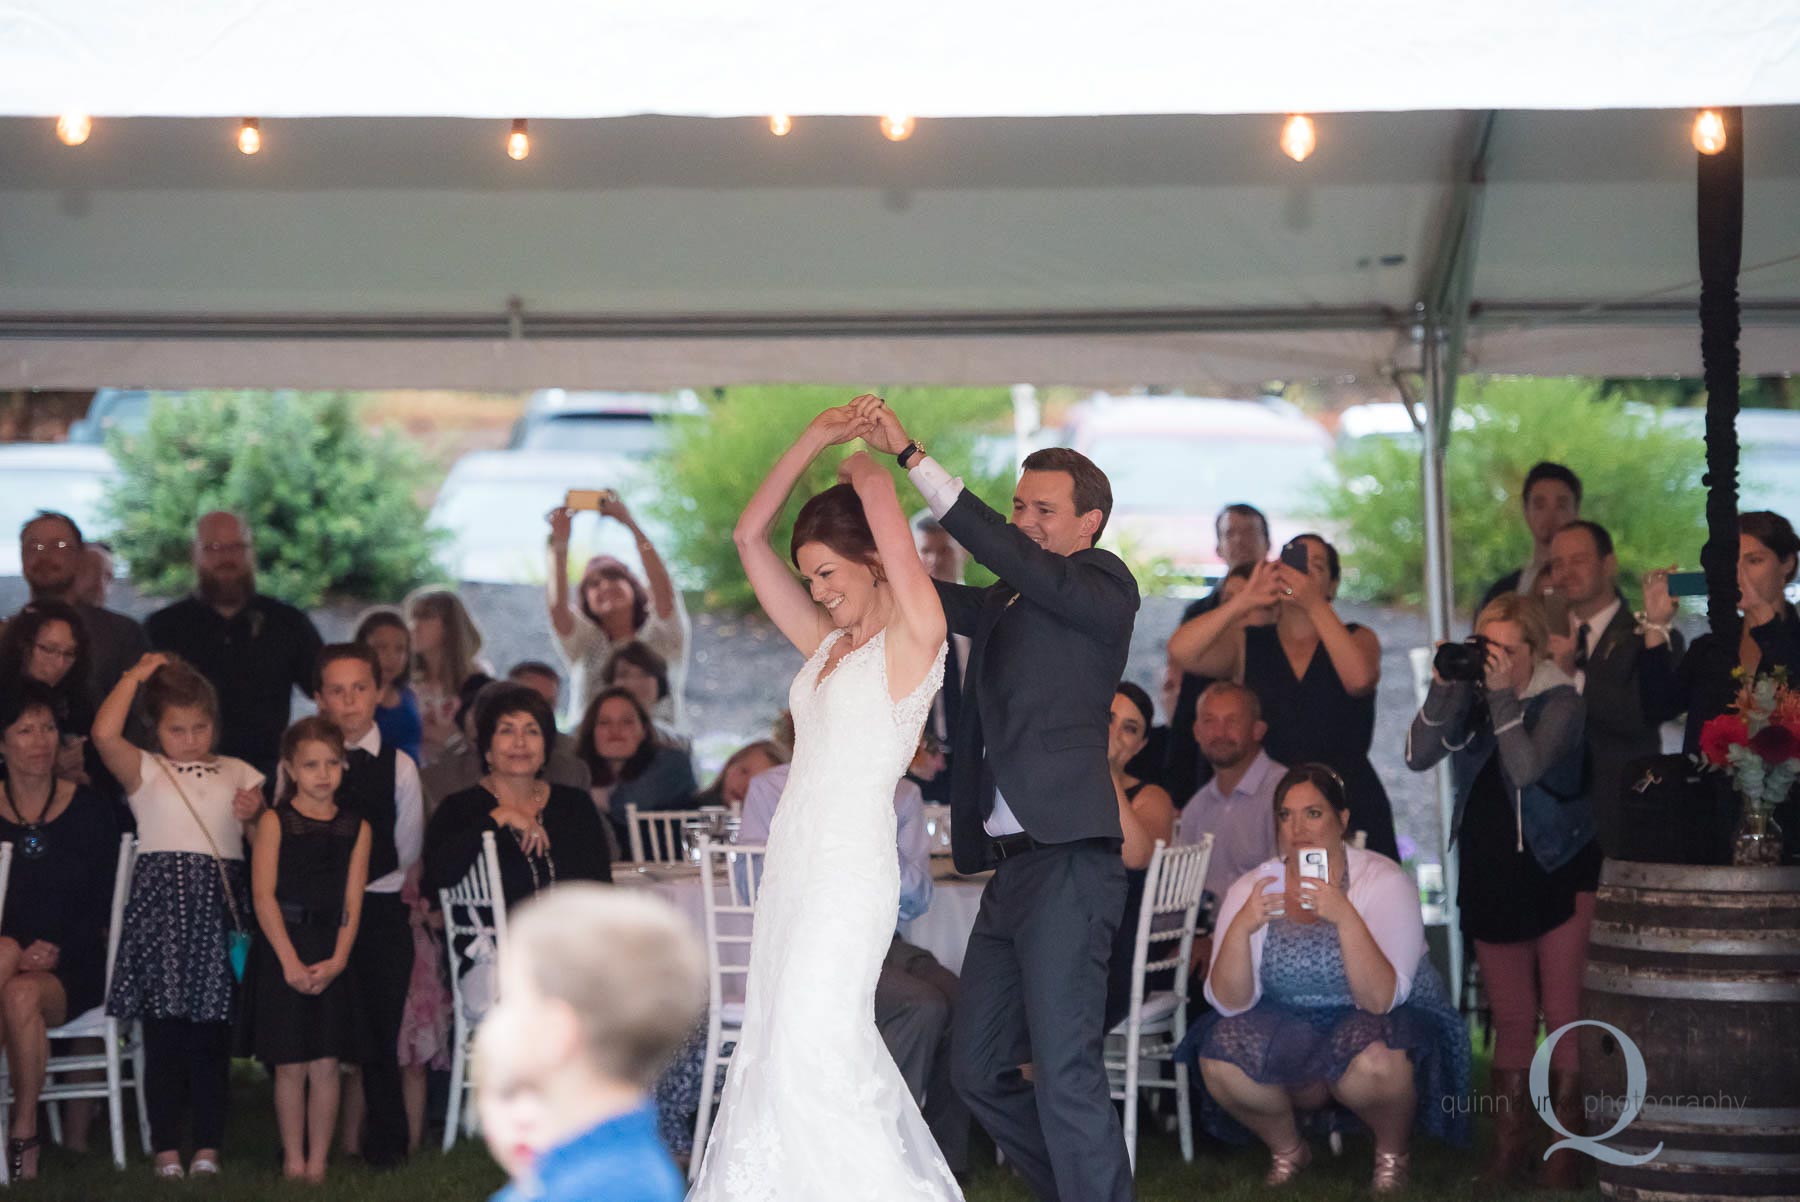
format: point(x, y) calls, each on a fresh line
point(188, 892)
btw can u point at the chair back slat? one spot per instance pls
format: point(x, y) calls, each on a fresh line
point(6, 855)
point(1174, 884)
point(115, 930)
point(660, 836)
point(730, 881)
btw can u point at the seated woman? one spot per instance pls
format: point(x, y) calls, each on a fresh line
point(547, 833)
point(47, 642)
point(628, 764)
point(1322, 992)
point(645, 674)
point(1145, 815)
point(53, 942)
point(747, 763)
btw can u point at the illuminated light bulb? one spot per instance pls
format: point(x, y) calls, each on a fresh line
point(1709, 132)
point(896, 127)
point(74, 128)
point(781, 125)
point(249, 136)
point(518, 142)
point(1298, 137)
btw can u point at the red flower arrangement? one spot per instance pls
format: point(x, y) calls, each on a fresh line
point(1758, 741)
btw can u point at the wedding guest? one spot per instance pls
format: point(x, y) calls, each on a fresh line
point(945, 559)
point(380, 786)
point(95, 578)
point(1528, 862)
point(46, 642)
point(1146, 815)
point(461, 766)
point(645, 674)
point(598, 988)
point(1314, 673)
point(547, 833)
point(1704, 683)
point(1234, 805)
point(255, 650)
point(189, 894)
point(384, 631)
point(50, 558)
point(310, 864)
point(425, 1026)
point(611, 606)
point(1241, 542)
point(446, 651)
point(53, 942)
point(1551, 496)
point(627, 764)
point(1322, 991)
point(536, 674)
point(732, 784)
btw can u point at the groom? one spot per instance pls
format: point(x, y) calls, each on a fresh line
point(1032, 798)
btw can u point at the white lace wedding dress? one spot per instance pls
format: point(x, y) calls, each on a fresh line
point(814, 1109)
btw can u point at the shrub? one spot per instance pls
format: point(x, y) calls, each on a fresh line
point(334, 507)
point(715, 463)
point(1640, 479)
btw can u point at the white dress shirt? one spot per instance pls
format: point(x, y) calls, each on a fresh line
point(409, 809)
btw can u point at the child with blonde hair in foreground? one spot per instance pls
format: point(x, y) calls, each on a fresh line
point(598, 987)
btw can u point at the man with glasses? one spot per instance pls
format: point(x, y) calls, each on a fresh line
point(51, 551)
point(255, 650)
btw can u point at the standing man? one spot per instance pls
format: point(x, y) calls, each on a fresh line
point(51, 554)
point(1032, 797)
point(95, 578)
point(1552, 499)
point(945, 560)
point(1243, 538)
point(1601, 648)
point(381, 783)
point(255, 650)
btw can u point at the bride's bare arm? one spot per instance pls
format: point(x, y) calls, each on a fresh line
point(919, 615)
point(779, 592)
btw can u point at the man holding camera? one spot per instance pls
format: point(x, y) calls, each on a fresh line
point(1600, 648)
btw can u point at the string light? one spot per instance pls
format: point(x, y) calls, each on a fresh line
point(1298, 137)
point(1709, 131)
point(249, 136)
point(897, 127)
point(518, 142)
point(781, 125)
point(74, 128)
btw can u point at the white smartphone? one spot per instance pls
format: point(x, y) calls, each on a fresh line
point(1315, 864)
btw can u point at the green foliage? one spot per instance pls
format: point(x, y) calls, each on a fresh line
point(334, 507)
point(715, 463)
point(1641, 480)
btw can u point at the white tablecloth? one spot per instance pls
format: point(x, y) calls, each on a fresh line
point(943, 930)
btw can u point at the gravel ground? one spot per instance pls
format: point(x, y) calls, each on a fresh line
point(741, 666)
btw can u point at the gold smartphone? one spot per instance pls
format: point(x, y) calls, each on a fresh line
point(589, 498)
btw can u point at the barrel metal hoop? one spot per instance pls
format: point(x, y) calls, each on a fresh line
point(1608, 978)
point(1691, 942)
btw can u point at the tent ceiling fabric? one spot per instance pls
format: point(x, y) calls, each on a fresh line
point(669, 250)
point(723, 58)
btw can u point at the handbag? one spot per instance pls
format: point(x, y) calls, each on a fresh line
point(237, 940)
point(1673, 812)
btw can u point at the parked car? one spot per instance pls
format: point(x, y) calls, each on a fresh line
point(493, 505)
point(1175, 461)
point(66, 477)
point(615, 423)
point(126, 409)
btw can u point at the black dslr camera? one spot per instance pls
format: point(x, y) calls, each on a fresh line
point(1466, 660)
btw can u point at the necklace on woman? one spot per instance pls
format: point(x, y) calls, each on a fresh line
point(33, 844)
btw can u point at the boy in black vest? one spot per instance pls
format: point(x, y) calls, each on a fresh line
point(381, 783)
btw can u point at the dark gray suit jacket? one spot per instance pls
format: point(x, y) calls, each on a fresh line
point(1618, 730)
point(1049, 644)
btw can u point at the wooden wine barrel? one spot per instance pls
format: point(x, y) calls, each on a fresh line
point(1700, 968)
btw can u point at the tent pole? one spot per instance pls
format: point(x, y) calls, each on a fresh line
point(1439, 600)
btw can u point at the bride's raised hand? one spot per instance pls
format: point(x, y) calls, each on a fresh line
point(840, 424)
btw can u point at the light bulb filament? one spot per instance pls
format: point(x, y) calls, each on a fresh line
point(1298, 137)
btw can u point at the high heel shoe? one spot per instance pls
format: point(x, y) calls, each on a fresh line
point(1285, 1166)
point(1392, 1171)
point(15, 1156)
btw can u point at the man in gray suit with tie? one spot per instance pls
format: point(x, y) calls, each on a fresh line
point(1032, 798)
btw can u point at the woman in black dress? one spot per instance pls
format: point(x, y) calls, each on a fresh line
point(1314, 673)
point(1145, 815)
point(311, 863)
point(53, 938)
point(546, 833)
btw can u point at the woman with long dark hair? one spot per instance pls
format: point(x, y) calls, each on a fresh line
point(628, 763)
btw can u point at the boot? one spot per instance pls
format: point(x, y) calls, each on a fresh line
point(1511, 1111)
point(1563, 1170)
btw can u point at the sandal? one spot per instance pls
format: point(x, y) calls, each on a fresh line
point(1285, 1166)
point(203, 1166)
point(1391, 1172)
point(15, 1155)
point(171, 1171)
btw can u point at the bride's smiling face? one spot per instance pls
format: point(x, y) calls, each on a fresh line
point(845, 587)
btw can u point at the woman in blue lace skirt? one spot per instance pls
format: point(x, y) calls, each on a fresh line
point(1322, 993)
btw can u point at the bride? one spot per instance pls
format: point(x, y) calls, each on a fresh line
point(814, 1108)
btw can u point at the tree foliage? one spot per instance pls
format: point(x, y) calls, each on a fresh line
point(333, 507)
point(1641, 480)
point(715, 463)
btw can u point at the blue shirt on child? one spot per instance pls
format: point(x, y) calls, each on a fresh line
point(619, 1160)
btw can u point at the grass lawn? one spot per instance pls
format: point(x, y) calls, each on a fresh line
point(252, 1171)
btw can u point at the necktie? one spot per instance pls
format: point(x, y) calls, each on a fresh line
point(1581, 648)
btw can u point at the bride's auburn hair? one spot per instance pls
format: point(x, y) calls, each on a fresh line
point(835, 518)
